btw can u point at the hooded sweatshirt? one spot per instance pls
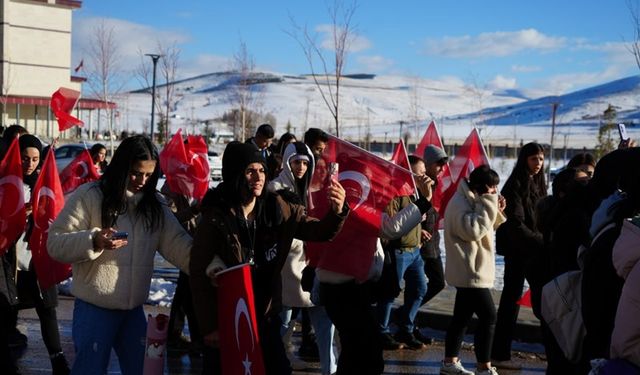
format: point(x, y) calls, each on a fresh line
point(287, 185)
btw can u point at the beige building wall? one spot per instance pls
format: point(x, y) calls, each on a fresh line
point(35, 39)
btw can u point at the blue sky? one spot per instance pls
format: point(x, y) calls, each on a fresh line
point(550, 47)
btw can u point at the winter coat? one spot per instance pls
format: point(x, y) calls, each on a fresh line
point(218, 236)
point(114, 279)
point(431, 248)
point(411, 239)
point(469, 223)
point(292, 293)
point(625, 340)
point(519, 236)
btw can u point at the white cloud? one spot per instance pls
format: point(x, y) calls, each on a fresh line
point(356, 43)
point(502, 83)
point(499, 43)
point(565, 83)
point(525, 68)
point(374, 64)
point(203, 64)
point(129, 37)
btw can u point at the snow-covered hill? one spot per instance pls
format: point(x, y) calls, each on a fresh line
point(383, 105)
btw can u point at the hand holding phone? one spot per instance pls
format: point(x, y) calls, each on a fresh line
point(119, 236)
point(333, 172)
point(622, 129)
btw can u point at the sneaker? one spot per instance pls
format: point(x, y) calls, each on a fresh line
point(389, 343)
point(488, 371)
point(507, 365)
point(454, 369)
point(424, 339)
point(409, 340)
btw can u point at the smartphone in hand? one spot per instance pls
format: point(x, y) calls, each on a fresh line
point(622, 129)
point(119, 236)
point(333, 172)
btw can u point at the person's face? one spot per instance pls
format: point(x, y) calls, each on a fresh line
point(139, 174)
point(256, 176)
point(299, 168)
point(587, 169)
point(418, 169)
point(262, 142)
point(100, 156)
point(30, 160)
point(534, 163)
point(434, 170)
point(492, 189)
point(318, 148)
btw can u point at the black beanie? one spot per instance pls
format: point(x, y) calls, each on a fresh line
point(28, 140)
point(237, 156)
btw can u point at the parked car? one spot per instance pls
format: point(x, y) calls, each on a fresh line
point(66, 153)
point(215, 165)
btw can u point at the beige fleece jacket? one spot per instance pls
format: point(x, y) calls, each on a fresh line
point(113, 279)
point(469, 224)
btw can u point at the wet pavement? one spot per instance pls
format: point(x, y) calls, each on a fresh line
point(34, 360)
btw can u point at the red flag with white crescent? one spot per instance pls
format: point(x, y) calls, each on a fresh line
point(469, 156)
point(370, 183)
point(47, 201)
point(13, 215)
point(62, 103)
point(186, 166)
point(240, 350)
point(80, 171)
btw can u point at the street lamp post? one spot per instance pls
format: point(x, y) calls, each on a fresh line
point(154, 58)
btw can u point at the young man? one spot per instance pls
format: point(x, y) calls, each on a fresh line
point(262, 140)
point(317, 140)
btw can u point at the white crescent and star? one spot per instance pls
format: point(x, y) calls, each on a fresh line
point(243, 311)
point(17, 182)
point(85, 170)
point(360, 179)
point(44, 192)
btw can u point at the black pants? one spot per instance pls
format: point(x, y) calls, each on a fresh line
point(514, 275)
point(349, 308)
point(7, 363)
point(181, 307)
point(557, 363)
point(468, 302)
point(435, 277)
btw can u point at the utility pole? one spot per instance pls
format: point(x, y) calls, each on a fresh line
point(154, 58)
point(554, 109)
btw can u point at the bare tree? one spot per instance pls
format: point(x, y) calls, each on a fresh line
point(166, 97)
point(328, 80)
point(243, 93)
point(477, 92)
point(634, 46)
point(104, 73)
point(6, 80)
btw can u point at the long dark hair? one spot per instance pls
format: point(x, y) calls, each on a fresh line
point(519, 178)
point(115, 179)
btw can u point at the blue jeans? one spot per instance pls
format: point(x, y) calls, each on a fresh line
point(410, 267)
point(96, 330)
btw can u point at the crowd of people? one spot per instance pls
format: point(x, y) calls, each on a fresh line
point(258, 215)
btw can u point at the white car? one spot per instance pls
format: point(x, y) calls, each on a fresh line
point(215, 165)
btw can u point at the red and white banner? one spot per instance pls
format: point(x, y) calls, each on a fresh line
point(80, 171)
point(240, 349)
point(370, 183)
point(186, 166)
point(62, 103)
point(47, 201)
point(13, 216)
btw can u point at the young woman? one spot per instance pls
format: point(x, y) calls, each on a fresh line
point(98, 155)
point(243, 224)
point(472, 215)
point(111, 273)
point(519, 240)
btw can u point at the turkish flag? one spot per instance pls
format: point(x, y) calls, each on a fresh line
point(370, 183)
point(80, 171)
point(400, 157)
point(240, 349)
point(62, 103)
point(186, 166)
point(525, 300)
point(47, 201)
point(13, 215)
point(445, 181)
point(469, 156)
point(430, 137)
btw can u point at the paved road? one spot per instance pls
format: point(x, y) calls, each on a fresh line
point(35, 360)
